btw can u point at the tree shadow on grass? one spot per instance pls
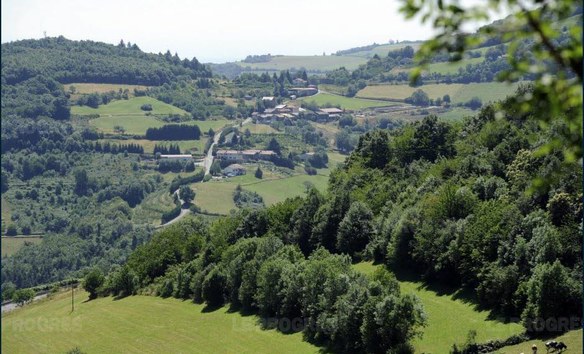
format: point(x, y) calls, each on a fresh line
point(211, 307)
point(440, 288)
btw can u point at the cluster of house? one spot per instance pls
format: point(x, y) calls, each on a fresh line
point(282, 113)
point(245, 155)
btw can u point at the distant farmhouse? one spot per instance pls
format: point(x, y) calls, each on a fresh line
point(245, 155)
point(303, 91)
point(299, 82)
point(234, 170)
point(269, 101)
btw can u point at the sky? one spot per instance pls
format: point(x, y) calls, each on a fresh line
point(217, 30)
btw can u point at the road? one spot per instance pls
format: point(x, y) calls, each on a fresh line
point(183, 211)
point(208, 162)
point(12, 305)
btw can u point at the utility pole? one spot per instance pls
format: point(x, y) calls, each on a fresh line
point(72, 298)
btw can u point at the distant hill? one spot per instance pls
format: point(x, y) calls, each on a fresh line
point(32, 71)
point(70, 61)
point(350, 59)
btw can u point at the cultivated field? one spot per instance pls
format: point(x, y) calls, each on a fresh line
point(450, 318)
point(323, 99)
point(138, 324)
point(489, 91)
point(308, 62)
point(129, 107)
point(85, 88)
point(12, 244)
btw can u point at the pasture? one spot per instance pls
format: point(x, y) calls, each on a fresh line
point(260, 129)
point(186, 146)
point(138, 324)
point(350, 103)
point(450, 317)
point(452, 67)
point(308, 62)
point(383, 49)
point(459, 93)
point(138, 124)
point(216, 196)
point(129, 107)
point(10, 245)
point(86, 88)
point(572, 339)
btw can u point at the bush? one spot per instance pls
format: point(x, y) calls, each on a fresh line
point(23, 296)
point(92, 282)
point(259, 173)
point(11, 230)
point(146, 107)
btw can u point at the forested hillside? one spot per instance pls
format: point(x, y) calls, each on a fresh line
point(58, 179)
point(454, 203)
point(70, 61)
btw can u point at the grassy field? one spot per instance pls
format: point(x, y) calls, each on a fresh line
point(85, 88)
point(186, 146)
point(216, 196)
point(452, 68)
point(308, 62)
point(383, 49)
point(260, 129)
point(449, 318)
point(129, 107)
point(12, 244)
point(137, 125)
point(572, 339)
point(138, 324)
point(350, 103)
point(488, 91)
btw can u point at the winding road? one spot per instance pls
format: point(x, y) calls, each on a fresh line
point(207, 163)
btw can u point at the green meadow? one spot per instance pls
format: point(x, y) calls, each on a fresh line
point(450, 317)
point(86, 88)
point(308, 62)
point(139, 324)
point(349, 103)
point(129, 107)
point(572, 339)
point(216, 196)
point(452, 67)
point(459, 93)
point(186, 146)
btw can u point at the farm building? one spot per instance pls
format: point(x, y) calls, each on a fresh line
point(278, 113)
point(269, 101)
point(328, 114)
point(303, 91)
point(306, 156)
point(234, 170)
point(299, 82)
